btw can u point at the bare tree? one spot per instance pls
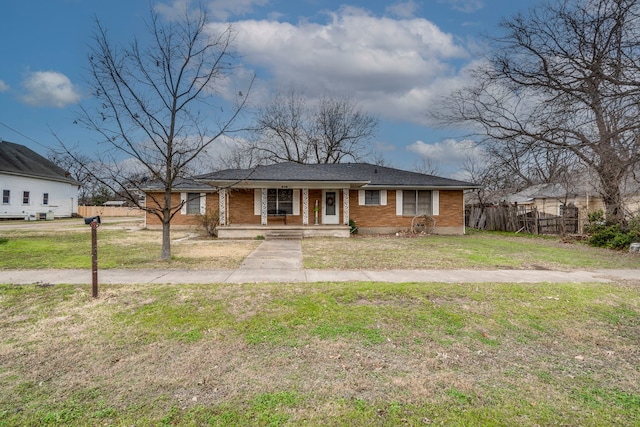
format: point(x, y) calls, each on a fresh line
point(75, 165)
point(155, 107)
point(341, 131)
point(566, 78)
point(288, 128)
point(427, 166)
point(284, 128)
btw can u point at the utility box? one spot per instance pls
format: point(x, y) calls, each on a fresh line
point(50, 216)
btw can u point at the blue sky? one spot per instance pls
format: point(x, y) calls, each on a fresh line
point(395, 58)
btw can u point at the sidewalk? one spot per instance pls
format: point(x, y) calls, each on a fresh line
point(281, 261)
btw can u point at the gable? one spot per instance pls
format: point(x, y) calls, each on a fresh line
point(19, 160)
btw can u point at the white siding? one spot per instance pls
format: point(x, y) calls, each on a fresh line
point(63, 198)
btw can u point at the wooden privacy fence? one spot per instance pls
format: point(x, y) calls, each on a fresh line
point(109, 211)
point(525, 219)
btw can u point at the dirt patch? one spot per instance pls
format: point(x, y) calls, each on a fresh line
point(213, 249)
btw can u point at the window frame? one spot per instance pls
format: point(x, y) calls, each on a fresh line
point(277, 204)
point(26, 198)
point(416, 202)
point(45, 199)
point(370, 197)
point(6, 197)
point(193, 204)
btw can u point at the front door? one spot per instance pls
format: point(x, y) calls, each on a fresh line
point(331, 207)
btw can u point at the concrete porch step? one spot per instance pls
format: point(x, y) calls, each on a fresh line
point(283, 234)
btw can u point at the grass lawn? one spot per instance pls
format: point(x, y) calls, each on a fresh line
point(352, 354)
point(123, 248)
point(477, 250)
point(117, 248)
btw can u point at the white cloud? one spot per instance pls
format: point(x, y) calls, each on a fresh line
point(449, 153)
point(49, 89)
point(466, 6)
point(393, 67)
point(403, 9)
point(3, 86)
point(218, 9)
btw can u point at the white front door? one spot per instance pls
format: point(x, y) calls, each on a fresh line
point(331, 207)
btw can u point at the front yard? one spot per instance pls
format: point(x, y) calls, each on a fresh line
point(338, 354)
point(348, 354)
point(135, 248)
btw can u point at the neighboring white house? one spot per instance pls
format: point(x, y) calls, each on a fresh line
point(33, 187)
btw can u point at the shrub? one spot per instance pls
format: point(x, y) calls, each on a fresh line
point(612, 236)
point(353, 227)
point(209, 221)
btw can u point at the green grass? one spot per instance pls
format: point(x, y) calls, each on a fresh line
point(478, 250)
point(117, 248)
point(352, 354)
point(37, 249)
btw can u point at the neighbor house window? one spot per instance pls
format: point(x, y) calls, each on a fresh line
point(25, 197)
point(45, 199)
point(416, 202)
point(561, 208)
point(6, 197)
point(372, 197)
point(279, 201)
point(193, 203)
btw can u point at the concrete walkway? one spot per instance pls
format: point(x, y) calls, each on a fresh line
point(281, 261)
point(24, 277)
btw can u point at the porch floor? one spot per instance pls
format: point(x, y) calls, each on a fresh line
point(247, 231)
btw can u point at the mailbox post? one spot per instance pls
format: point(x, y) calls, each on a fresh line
point(94, 222)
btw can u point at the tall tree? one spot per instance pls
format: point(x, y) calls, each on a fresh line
point(154, 105)
point(290, 128)
point(564, 77)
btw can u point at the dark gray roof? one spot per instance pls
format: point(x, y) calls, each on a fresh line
point(184, 184)
point(16, 159)
point(357, 173)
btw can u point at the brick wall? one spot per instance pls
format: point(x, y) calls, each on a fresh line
point(451, 212)
point(240, 210)
point(178, 219)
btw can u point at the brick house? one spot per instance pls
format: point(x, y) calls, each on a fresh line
point(321, 199)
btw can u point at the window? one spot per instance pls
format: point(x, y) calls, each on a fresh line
point(416, 202)
point(6, 197)
point(279, 201)
point(193, 203)
point(45, 199)
point(372, 197)
point(25, 198)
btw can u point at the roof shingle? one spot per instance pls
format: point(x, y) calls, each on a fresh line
point(16, 159)
point(364, 173)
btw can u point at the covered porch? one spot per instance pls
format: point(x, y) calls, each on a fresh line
point(284, 210)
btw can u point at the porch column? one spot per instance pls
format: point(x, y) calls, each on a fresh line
point(305, 206)
point(263, 204)
point(222, 206)
point(345, 206)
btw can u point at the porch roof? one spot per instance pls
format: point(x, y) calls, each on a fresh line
point(354, 175)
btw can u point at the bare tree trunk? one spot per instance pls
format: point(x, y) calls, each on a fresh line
point(166, 226)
